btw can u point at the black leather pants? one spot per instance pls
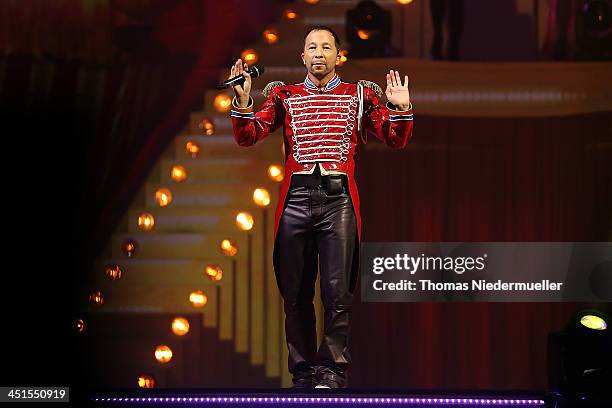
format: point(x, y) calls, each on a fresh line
point(316, 222)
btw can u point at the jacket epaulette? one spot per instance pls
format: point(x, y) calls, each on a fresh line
point(373, 86)
point(268, 88)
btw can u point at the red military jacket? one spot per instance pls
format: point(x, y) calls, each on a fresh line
point(322, 126)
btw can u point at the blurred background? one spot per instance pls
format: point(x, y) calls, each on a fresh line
point(143, 255)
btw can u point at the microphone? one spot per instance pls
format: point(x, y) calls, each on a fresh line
point(254, 71)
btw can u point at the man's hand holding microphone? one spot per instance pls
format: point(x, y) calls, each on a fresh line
point(243, 91)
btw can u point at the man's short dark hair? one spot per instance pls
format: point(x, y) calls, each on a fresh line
point(324, 28)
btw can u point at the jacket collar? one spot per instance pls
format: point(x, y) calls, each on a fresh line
point(331, 84)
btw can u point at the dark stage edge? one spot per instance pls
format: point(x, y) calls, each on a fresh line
point(332, 398)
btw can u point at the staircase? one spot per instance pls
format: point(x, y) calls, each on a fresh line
point(244, 309)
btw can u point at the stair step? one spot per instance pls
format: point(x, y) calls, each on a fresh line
point(161, 272)
point(249, 169)
point(196, 219)
point(224, 145)
point(173, 246)
point(256, 92)
point(157, 299)
point(226, 194)
point(221, 120)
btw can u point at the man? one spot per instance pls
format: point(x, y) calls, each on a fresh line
point(318, 210)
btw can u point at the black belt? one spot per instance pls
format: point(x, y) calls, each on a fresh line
point(333, 181)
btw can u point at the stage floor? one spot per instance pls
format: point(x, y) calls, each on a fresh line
point(328, 398)
point(333, 398)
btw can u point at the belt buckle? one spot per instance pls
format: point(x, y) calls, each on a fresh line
point(333, 185)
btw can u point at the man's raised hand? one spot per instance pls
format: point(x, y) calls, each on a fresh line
point(397, 94)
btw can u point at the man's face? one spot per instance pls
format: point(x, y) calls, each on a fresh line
point(320, 54)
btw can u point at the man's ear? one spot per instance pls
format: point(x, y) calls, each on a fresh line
point(303, 60)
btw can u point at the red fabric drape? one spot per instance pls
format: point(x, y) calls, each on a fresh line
point(219, 24)
point(560, 40)
point(126, 74)
point(475, 179)
point(71, 29)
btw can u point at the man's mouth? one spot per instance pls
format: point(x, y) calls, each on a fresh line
point(318, 63)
